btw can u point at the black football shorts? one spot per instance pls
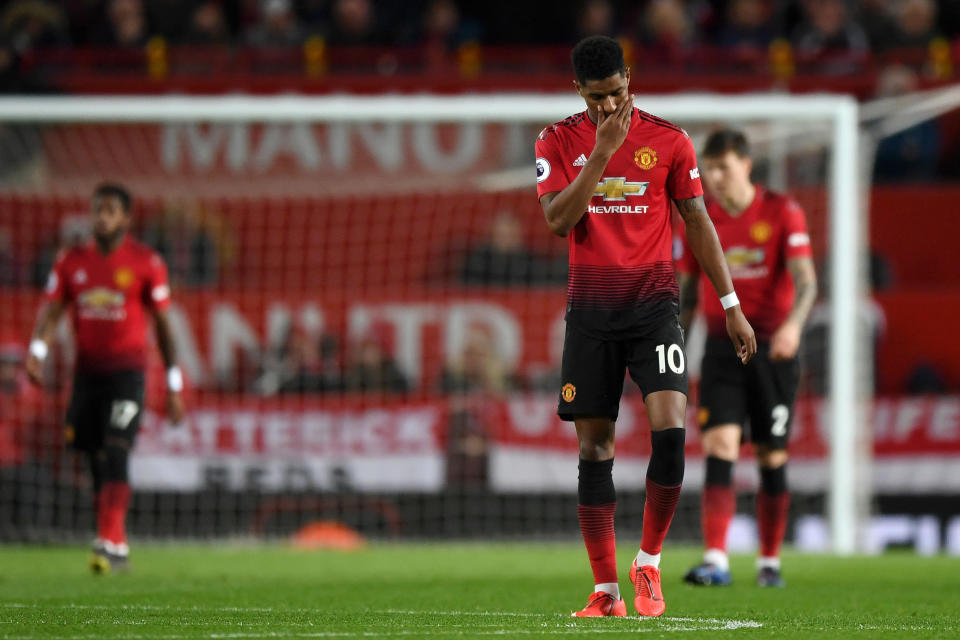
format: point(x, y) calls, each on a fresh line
point(593, 370)
point(758, 396)
point(103, 407)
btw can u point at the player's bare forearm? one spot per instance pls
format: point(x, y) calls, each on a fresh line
point(804, 276)
point(703, 240)
point(688, 299)
point(563, 209)
point(168, 349)
point(47, 320)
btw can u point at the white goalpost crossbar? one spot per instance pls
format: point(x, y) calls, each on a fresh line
point(846, 217)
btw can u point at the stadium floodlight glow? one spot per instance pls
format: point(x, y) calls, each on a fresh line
point(846, 216)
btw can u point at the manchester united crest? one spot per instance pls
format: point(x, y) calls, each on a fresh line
point(568, 392)
point(645, 158)
point(760, 232)
point(123, 277)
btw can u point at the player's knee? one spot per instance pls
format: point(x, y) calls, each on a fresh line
point(115, 464)
point(666, 456)
point(723, 443)
point(596, 450)
point(773, 480)
point(771, 458)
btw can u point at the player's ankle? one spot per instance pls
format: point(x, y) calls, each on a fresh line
point(648, 559)
point(718, 558)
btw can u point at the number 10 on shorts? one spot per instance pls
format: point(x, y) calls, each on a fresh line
point(672, 356)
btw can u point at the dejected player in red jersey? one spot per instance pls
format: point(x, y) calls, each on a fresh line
point(764, 236)
point(110, 286)
point(606, 178)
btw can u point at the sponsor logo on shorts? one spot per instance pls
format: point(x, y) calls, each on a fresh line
point(645, 158)
point(568, 392)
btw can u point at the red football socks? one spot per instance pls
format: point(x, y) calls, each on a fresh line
point(658, 510)
point(596, 525)
point(717, 509)
point(112, 503)
point(772, 510)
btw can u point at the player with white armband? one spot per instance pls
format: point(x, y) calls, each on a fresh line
point(606, 178)
point(765, 240)
point(110, 286)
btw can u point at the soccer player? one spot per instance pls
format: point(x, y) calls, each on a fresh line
point(768, 251)
point(110, 285)
point(606, 178)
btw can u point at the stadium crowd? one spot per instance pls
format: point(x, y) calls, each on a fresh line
point(810, 25)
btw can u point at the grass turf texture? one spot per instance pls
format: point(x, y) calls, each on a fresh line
point(455, 591)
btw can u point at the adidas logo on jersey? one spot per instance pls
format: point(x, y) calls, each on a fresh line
point(581, 161)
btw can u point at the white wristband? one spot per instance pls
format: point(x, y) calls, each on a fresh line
point(174, 379)
point(729, 300)
point(39, 349)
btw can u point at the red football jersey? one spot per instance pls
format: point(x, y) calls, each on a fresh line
point(757, 244)
point(621, 281)
point(109, 296)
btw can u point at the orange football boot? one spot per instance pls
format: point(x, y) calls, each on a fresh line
point(646, 583)
point(602, 604)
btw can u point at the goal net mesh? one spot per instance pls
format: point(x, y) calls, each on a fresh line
point(369, 316)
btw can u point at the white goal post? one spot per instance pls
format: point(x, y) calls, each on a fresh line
point(847, 219)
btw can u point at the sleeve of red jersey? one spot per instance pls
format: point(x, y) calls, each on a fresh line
point(156, 293)
point(796, 238)
point(550, 174)
point(684, 179)
point(685, 260)
point(56, 289)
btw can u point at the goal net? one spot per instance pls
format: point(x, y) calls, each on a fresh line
point(368, 309)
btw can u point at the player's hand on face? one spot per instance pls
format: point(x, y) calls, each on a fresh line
point(740, 331)
point(612, 128)
point(785, 341)
point(174, 408)
point(34, 369)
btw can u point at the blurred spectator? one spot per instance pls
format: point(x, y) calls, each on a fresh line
point(354, 23)
point(748, 24)
point(208, 25)
point(912, 154)
point(596, 18)
point(915, 24)
point(303, 363)
point(278, 26)
point(124, 25)
point(667, 28)
point(478, 368)
point(33, 24)
point(877, 20)
point(181, 234)
point(504, 260)
point(828, 30)
point(443, 29)
point(371, 367)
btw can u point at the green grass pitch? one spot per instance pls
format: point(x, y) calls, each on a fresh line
point(441, 591)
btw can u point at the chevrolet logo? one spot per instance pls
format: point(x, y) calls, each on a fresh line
point(617, 189)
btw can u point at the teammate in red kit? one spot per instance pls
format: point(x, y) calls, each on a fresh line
point(606, 178)
point(767, 247)
point(110, 285)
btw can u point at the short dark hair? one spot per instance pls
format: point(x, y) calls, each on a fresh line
point(597, 58)
point(116, 190)
point(723, 140)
